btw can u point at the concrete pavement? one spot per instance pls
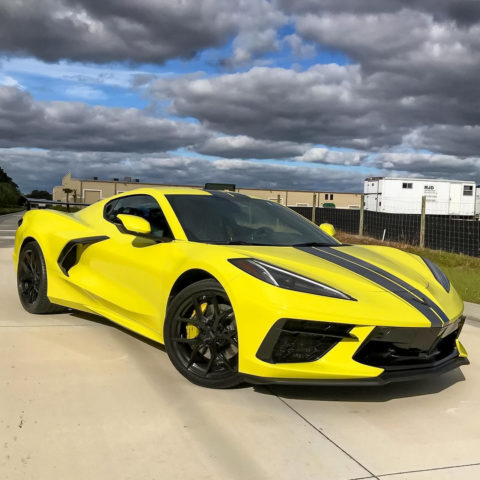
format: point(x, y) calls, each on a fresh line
point(472, 311)
point(81, 398)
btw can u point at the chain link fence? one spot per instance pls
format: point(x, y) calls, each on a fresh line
point(451, 233)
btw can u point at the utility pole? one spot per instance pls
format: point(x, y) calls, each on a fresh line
point(362, 210)
point(314, 208)
point(422, 223)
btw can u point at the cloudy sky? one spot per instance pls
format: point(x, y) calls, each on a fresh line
point(310, 94)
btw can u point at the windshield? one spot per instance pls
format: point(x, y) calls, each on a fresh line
point(226, 218)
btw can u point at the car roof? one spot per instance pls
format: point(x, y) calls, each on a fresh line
point(165, 191)
point(179, 191)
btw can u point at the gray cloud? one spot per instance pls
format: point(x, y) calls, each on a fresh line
point(44, 169)
point(397, 84)
point(460, 11)
point(140, 31)
point(430, 165)
point(332, 157)
point(241, 146)
point(25, 122)
point(453, 140)
point(325, 104)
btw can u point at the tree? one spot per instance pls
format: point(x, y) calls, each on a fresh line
point(9, 193)
point(68, 191)
point(4, 178)
point(40, 194)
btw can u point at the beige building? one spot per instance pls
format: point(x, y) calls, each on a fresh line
point(90, 191)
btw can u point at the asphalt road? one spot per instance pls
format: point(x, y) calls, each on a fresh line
point(83, 399)
point(8, 225)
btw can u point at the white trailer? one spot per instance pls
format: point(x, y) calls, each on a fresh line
point(404, 195)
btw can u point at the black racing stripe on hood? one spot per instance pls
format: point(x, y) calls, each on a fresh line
point(377, 278)
point(395, 279)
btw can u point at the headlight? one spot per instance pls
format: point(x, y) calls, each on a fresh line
point(438, 274)
point(285, 279)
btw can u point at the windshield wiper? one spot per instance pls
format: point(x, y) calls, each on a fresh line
point(242, 242)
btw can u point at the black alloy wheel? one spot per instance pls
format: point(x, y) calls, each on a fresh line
point(32, 280)
point(201, 335)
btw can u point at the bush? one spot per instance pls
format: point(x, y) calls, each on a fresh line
point(40, 194)
point(61, 208)
point(9, 194)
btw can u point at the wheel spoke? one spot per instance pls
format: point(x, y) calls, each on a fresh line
point(198, 309)
point(26, 269)
point(29, 258)
point(190, 341)
point(226, 315)
point(213, 356)
point(216, 313)
point(231, 337)
point(191, 360)
point(191, 320)
point(225, 361)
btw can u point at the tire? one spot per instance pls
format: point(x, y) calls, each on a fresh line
point(32, 281)
point(200, 335)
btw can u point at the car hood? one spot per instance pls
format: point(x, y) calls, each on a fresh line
point(305, 261)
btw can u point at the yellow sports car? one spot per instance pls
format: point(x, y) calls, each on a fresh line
point(242, 289)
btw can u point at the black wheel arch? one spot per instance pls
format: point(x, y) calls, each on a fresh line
point(27, 240)
point(188, 278)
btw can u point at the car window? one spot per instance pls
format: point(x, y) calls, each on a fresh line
point(143, 206)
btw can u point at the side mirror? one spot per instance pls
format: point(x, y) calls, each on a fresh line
point(328, 228)
point(133, 225)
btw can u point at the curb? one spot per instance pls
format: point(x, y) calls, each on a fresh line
point(3, 215)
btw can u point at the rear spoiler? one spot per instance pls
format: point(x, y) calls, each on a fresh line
point(40, 201)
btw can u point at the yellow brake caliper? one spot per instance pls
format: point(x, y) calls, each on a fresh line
point(192, 330)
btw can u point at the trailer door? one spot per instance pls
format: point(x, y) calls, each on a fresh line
point(455, 203)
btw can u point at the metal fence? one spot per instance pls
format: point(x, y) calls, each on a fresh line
point(439, 232)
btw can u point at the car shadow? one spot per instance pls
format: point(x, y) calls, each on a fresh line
point(91, 317)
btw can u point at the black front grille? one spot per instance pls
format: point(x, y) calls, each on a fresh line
point(397, 348)
point(293, 341)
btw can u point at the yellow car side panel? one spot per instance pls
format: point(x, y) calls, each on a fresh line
point(129, 279)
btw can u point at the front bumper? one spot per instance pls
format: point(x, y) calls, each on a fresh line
point(320, 353)
point(386, 377)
